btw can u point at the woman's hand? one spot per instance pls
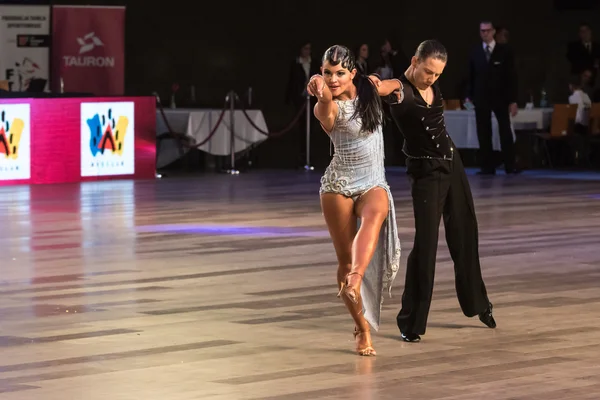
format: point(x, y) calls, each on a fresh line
point(316, 85)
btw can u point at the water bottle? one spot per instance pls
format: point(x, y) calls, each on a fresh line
point(543, 99)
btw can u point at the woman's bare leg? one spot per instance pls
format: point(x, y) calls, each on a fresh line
point(355, 249)
point(341, 221)
point(372, 208)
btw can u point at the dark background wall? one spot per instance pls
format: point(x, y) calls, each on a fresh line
point(221, 45)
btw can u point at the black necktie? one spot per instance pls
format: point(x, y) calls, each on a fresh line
point(488, 52)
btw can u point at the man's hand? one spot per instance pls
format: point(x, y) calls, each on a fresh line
point(386, 87)
point(376, 81)
point(513, 109)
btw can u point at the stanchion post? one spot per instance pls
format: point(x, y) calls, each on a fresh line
point(232, 171)
point(308, 167)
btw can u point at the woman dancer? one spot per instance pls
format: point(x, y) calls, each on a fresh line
point(355, 197)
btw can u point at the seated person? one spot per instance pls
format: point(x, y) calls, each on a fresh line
point(581, 98)
point(579, 142)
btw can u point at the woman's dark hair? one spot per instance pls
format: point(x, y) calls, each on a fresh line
point(369, 106)
point(431, 49)
point(357, 48)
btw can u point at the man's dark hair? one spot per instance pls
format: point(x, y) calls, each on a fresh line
point(431, 49)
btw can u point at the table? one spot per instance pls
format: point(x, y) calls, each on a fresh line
point(535, 118)
point(462, 126)
point(197, 124)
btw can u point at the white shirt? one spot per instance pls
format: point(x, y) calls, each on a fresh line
point(385, 72)
point(491, 45)
point(584, 104)
point(305, 64)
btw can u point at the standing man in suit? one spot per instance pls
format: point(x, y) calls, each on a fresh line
point(301, 69)
point(492, 87)
point(584, 54)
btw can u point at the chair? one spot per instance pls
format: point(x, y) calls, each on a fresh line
point(594, 130)
point(595, 119)
point(561, 124)
point(37, 85)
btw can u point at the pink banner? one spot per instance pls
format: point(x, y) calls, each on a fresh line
point(88, 49)
point(71, 139)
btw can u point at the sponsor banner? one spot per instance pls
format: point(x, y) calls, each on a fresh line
point(57, 140)
point(24, 47)
point(15, 142)
point(107, 139)
point(88, 49)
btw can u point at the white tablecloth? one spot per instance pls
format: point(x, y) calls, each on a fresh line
point(462, 126)
point(197, 125)
point(536, 118)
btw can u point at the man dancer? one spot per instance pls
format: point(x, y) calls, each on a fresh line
point(439, 187)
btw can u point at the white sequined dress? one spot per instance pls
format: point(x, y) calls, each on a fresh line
point(356, 167)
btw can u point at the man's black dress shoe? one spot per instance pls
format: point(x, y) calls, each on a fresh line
point(410, 337)
point(487, 318)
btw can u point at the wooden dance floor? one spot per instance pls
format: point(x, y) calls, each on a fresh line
point(223, 288)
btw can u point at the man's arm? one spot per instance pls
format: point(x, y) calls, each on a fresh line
point(574, 98)
point(289, 91)
point(596, 56)
point(390, 89)
point(512, 77)
point(471, 78)
point(572, 53)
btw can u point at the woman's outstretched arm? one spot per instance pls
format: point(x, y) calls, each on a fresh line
point(325, 109)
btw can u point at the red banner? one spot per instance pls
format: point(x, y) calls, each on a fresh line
point(88, 49)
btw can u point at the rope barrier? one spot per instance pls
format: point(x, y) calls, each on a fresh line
point(230, 104)
point(278, 133)
point(171, 134)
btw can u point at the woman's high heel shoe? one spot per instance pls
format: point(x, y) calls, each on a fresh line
point(368, 350)
point(349, 291)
